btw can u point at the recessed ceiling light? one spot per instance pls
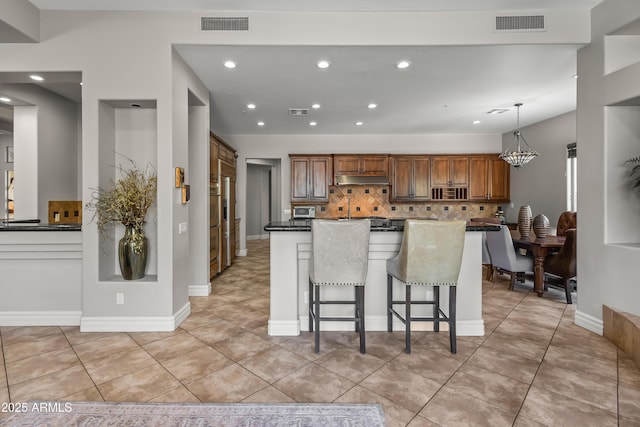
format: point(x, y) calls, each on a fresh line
point(251, 106)
point(260, 123)
point(323, 64)
point(5, 99)
point(403, 64)
point(312, 123)
point(36, 77)
point(359, 123)
point(475, 122)
point(372, 106)
point(229, 64)
point(315, 106)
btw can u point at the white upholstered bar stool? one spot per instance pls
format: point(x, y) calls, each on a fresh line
point(339, 256)
point(430, 255)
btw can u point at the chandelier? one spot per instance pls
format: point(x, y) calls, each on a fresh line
point(518, 157)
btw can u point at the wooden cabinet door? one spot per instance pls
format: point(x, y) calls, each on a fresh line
point(346, 165)
point(479, 178)
point(440, 171)
point(374, 165)
point(499, 179)
point(421, 175)
point(401, 178)
point(299, 179)
point(319, 178)
point(213, 160)
point(459, 171)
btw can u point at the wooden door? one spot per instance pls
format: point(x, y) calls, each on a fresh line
point(346, 165)
point(374, 165)
point(421, 174)
point(479, 178)
point(299, 179)
point(499, 179)
point(320, 173)
point(459, 171)
point(440, 171)
point(401, 178)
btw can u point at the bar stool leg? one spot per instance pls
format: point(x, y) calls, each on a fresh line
point(310, 306)
point(317, 318)
point(407, 320)
point(452, 318)
point(360, 316)
point(436, 308)
point(389, 303)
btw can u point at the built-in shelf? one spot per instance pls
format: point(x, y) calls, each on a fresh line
point(118, 280)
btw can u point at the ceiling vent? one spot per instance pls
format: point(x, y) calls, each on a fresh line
point(226, 23)
point(520, 23)
point(498, 111)
point(298, 111)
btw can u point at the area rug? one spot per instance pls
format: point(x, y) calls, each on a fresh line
point(97, 414)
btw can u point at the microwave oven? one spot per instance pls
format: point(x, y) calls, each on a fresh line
point(304, 212)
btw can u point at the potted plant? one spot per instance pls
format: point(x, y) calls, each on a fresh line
point(127, 201)
point(634, 174)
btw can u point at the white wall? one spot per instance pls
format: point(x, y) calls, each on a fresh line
point(5, 141)
point(542, 183)
point(257, 212)
point(607, 273)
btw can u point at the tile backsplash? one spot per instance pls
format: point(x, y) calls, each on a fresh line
point(373, 200)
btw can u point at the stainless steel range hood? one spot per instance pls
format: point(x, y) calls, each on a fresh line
point(362, 180)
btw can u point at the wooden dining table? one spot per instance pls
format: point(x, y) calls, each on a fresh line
point(539, 248)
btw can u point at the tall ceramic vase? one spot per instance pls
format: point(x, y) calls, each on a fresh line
point(524, 221)
point(132, 253)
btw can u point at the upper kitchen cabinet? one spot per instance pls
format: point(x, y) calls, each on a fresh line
point(361, 165)
point(311, 176)
point(488, 178)
point(449, 171)
point(410, 178)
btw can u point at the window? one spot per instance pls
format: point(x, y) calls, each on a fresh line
point(572, 177)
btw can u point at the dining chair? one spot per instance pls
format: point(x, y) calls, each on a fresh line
point(505, 258)
point(430, 255)
point(566, 220)
point(339, 257)
point(486, 256)
point(560, 268)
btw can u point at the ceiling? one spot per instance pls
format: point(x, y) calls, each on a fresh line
point(444, 90)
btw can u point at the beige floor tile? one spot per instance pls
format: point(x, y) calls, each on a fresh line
point(268, 394)
point(303, 346)
point(542, 317)
point(177, 395)
point(562, 357)
point(196, 320)
point(532, 332)
point(4, 394)
point(118, 364)
point(217, 330)
point(230, 384)
point(140, 386)
point(430, 364)
point(252, 319)
point(588, 344)
point(273, 363)
point(143, 338)
point(76, 337)
point(450, 407)
point(173, 346)
point(90, 394)
point(626, 422)
point(591, 389)
point(196, 364)
point(350, 363)
point(553, 409)
point(402, 385)
point(23, 349)
point(629, 403)
point(395, 415)
point(507, 364)
point(419, 421)
point(528, 349)
point(313, 384)
point(103, 347)
point(242, 346)
point(24, 334)
point(52, 386)
point(498, 390)
point(629, 374)
point(40, 364)
point(526, 422)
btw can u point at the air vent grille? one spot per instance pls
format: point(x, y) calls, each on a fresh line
point(298, 111)
point(520, 23)
point(224, 23)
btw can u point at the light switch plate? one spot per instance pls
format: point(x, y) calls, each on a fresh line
point(182, 228)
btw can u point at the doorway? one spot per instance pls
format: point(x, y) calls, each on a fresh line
point(263, 197)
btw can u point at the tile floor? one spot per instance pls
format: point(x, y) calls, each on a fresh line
point(533, 367)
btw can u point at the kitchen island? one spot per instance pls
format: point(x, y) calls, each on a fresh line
point(290, 251)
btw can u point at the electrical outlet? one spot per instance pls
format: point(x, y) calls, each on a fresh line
point(182, 228)
point(119, 298)
point(306, 297)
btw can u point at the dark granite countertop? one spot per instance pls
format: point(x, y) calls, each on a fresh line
point(37, 226)
point(378, 226)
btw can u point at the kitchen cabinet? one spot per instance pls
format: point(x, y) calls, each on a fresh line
point(488, 178)
point(311, 177)
point(361, 165)
point(410, 178)
point(449, 171)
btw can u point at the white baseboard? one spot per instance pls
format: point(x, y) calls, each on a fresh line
point(589, 322)
point(135, 323)
point(287, 328)
point(464, 328)
point(200, 290)
point(258, 237)
point(40, 318)
point(242, 252)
